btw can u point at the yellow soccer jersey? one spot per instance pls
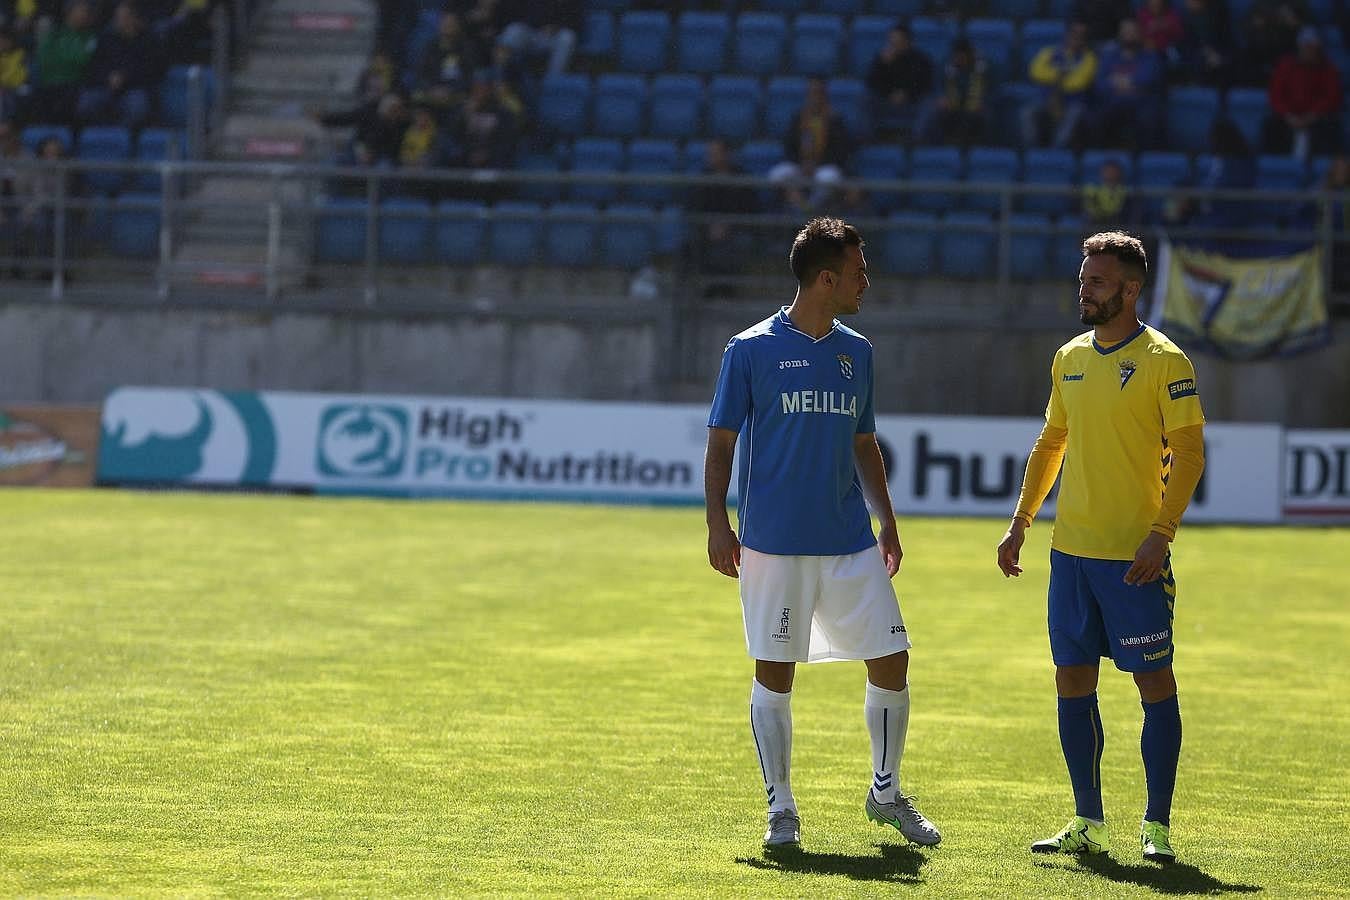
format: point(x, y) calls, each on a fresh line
point(1116, 403)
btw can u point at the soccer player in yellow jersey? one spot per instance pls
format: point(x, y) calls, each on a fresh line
point(1124, 420)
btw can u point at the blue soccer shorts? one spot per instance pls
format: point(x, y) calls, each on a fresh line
point(1093, 613)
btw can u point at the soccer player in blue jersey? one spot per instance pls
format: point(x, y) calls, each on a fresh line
point(1124, 419)
point(815, 583)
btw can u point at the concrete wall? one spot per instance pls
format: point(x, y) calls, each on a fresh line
point(66, 354)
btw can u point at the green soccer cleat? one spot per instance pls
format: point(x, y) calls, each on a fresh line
point(1157, 844)
point(902, 815)
point(1079, 836)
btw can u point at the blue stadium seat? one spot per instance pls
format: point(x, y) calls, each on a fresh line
point(1160, 170)
point(458, 233)
point(539, 191)
point(934, 164)
point(405, 229)
point(1091, 163)
point(865, 41)
point(670, 230)
point(1018, 9)
point(841, 7)
point(628, 243)
point(1048, 167)
point(134, 226)
point(934, 37)
point(1247, 107)
point(849, 98)
point(758, 157)
point(760, 38)
point(106, 144)
point(991, 164)
point(694, 157)
point(655, 157)
point(676, 106)
point(34, 135)
point(782, 102)
point(515, 233)
point(816, 40)
point(173, 94)
point(1029, 247)
point(341, 231)
point(1060, 9)
point(595, 155)
point(880, 162)
point(1066, 246)
point(644, 41)
point(569, 234)
point(563, 103)
point(619, 101)
point(897, 9)
point(733, 107)
point(156, 145)
point(597, 34)
point(1190, 112)
point(701, 44)
point(994, 39)
point(1013, 97)
point(966, 248)
point(1036, 34)
point(909, 243)
point(1279, 173)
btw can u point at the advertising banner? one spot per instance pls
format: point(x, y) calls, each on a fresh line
point(1317, 476)
point(50, 446)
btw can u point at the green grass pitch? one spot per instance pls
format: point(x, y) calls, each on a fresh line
point(206, 695)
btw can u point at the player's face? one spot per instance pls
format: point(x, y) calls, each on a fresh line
point(1101, 289)
point(850, 284)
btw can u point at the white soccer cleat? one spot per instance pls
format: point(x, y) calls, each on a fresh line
point(902, 815)
point(785, 829)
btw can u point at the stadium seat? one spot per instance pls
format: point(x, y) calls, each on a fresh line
point(597, 35)
point(816, 40)
point(563, 104)
point(539, 191)
point(1091, 163)
point(990, 164)
point(670, 230)
point(967, 247)
point(595, 155)
point(1279, 173)
point(782, 101)
point(1190, 112)
point(174, 99)
point(733, 107)
point(1160, 170)
point(644, 41)
point(865, 41)
point(909, 243)
point(34, 135)
point(676, 106)
point(759, 43)
point(694, 157)
point(758, 157)
point(701, 42)
point(994, 39)
point(934, 164)
point(405, 229)
point(458, 233)
point(156, 145)
point(515, 233)
point(341, 231)
point(1048, 167)
point(841, 7)
point(1013, 97)
point(1066, 246)
point(619, 102)
point(1247, 107)
point(849, 98)
point(104, 144)
point(629, 242)
point(934, 37)
point(1018, 10)
point(655, 157)
point(569, 234)
point(897, 9)
point(1029, 247)
point(1036, 34)
point(1060, 9)
point(880, 162)
point(134, 226)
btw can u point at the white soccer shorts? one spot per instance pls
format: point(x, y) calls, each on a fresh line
point(818, 608)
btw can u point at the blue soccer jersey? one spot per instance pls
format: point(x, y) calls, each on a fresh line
point(798, 402)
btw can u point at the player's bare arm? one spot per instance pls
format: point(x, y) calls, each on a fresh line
point(872, 476)
point(724, 550)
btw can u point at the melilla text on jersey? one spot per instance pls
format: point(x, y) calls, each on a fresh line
point(836, 402)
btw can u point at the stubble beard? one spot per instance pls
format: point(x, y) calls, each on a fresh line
point(1107, 310)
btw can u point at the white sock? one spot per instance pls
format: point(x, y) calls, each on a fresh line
point(771, 726)
point(887, 715)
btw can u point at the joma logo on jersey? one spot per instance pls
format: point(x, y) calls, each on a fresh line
point(784, 632)
point(1183, 388)
point(845, 365)
point(820, 402)
point(794, 364)
point(1126, 372)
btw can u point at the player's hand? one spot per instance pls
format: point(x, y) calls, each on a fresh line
point(1148, 560)
point(888, 542)
point(1010, 549)
point(724, 551)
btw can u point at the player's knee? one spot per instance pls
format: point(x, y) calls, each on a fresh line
point(889, 672)
point(1155, 686)
point(1075, 681)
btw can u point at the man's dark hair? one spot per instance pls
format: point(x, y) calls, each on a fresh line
point(820, 245)
point(1124, 247)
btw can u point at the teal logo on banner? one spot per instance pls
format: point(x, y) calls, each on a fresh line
point(152, 436)
point(362, 440)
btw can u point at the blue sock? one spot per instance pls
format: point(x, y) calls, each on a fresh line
point(1160, 743)
point(1080, 734)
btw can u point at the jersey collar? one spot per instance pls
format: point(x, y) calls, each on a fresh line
point(1106, 351)
point(782, 319)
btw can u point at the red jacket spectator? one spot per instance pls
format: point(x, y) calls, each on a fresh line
point(1305, 87)
point(1161, 25)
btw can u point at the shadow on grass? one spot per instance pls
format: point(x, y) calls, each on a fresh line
point(1175, 878)
point(896, 863)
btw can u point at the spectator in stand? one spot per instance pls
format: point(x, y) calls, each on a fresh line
point(1107, 204)
point(1065, 74)
point(420, 147)
point(446, 69)
point(124, 68)
point(1161, 28)
point(545, 30)
point(1206, 50)
point(182, 27)
point(900, 80)
point(1230, 165)
point(13, 74)
point(1336, 188)
point(29, 230)
point(486, 128)
point(1127, 98)
point(1305, 101)
point(1271, 34)
point(814, 150)
point(380, 76)
point(721, 249)
point(379, 125)
point(483, 22)
point(1102, 17)
point(959, 116)
point(62, 56)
